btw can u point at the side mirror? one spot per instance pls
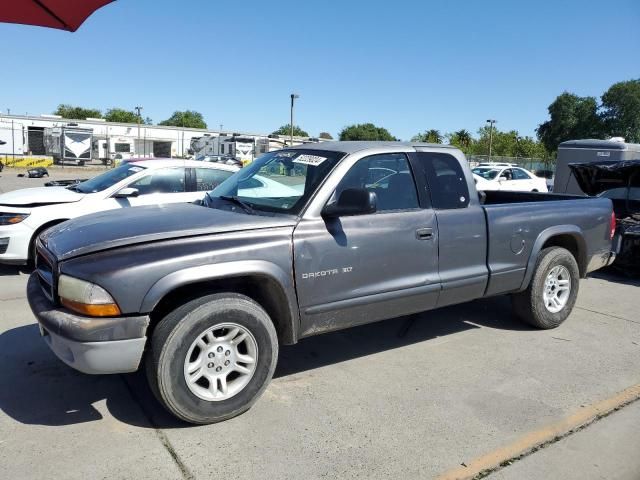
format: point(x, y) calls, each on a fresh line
point(502, 178)
point(352, 201)
point(127, 193)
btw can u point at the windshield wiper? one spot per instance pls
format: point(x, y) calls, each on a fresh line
point(234, 199)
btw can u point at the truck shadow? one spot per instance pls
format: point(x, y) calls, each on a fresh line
point(12, 270)
point(37, 389)
point(616, 275)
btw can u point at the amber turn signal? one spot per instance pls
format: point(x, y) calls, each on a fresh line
point(96, 310)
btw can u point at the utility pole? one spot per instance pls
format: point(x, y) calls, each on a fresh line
point(138, 109)
point(491, 124)
point(293, 97)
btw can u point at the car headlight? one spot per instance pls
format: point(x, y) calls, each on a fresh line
point(86, 298)
point(12, 218)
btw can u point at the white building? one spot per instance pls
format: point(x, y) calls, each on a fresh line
point(25, 135)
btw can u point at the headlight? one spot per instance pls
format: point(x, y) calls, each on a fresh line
point(11, 218)
point(86, 298)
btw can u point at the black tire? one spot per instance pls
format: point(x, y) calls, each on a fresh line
point(173, 337)
point(529, 305)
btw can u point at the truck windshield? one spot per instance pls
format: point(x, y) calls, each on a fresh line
point(107, 179)
point(279, 182)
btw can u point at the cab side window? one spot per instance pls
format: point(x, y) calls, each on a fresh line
point(388, 176)
point(446, 180)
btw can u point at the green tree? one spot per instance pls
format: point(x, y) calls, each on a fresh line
point(365, 131)
point(572, 117)
point(286, 130)
point(621, 110)
point(187, 118)
point(528, 147)
point(430, 136)
point(507, 144)
point(325, 135)
point(77, 113)
point(121, 115)
point(461, 139)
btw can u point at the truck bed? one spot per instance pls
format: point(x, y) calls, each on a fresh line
point(497, 197)
point(517, 220)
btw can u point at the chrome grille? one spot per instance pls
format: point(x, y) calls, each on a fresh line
point(46, 273)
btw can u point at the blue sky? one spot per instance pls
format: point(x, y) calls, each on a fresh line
point(406, 65)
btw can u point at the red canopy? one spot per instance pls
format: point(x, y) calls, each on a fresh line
point(62, 14)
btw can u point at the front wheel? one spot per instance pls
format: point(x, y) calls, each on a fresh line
point(212, 358)
point(552, 292)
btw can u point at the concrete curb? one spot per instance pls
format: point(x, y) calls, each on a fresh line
point(529, 443)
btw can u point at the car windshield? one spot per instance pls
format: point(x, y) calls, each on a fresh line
point(107, 179)
point(621, 193)
point(486, 173)
point(279, 182)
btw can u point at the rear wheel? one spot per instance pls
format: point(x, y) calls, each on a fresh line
point(552, 292)
point(212, 358)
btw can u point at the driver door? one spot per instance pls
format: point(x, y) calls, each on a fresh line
point(362, 268)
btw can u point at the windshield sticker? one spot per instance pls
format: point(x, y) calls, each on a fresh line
point(313, 160)
point(136, 169)
point(285, 154)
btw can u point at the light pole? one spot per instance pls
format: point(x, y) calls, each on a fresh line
point(491, 124)
point(293, 97)
point(138, 109)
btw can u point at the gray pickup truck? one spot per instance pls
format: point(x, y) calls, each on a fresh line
point(302, 241)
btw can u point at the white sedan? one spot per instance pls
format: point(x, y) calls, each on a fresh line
point(508, 178)
point(26, 213)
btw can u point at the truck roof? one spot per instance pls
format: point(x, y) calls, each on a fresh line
point(600, 144)
point(351, 147)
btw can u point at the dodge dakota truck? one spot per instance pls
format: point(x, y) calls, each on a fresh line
point(338, 234)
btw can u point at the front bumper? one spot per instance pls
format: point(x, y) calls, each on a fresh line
point(17, 239)
point(90, 345)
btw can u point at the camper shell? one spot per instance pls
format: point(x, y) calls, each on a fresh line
point(588, 151)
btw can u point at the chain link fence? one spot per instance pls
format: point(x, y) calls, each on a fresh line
point(531, 164)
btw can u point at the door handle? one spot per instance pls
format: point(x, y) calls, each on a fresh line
point(424, 233)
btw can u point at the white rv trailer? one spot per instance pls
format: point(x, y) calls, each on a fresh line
point(68, 144)
point(242, 148)
point(11, 138)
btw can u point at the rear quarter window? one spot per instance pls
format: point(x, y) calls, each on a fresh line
point(446, 180)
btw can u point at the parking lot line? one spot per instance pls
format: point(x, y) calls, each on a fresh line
point(534, 440)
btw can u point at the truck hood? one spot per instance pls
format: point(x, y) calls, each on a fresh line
point(129, 226)
point(597, 177)
point(38, 197)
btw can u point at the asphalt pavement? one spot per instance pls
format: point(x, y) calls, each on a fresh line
point(414, 397)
